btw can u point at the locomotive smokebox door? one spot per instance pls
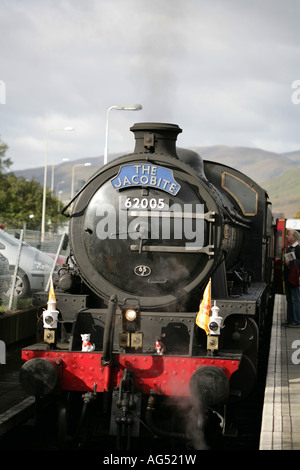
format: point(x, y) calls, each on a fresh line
point(148, 225)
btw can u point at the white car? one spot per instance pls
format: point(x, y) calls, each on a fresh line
point(34, 265)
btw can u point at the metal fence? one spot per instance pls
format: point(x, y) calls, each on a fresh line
point(26, 265)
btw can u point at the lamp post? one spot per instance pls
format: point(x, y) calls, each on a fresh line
point(128, 107)
point(58, 193)
point(45, 180)
point(58, 199)
point(73, 173)
point(52, 177)
point(60, 182)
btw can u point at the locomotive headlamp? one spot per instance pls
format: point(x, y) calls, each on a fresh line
point(216, 322)
point(214, 326)
point(130, 314)
point(50, 325)
point(131, 337)
point(50, 319)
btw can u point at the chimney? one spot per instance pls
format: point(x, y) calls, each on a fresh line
point(152, 137)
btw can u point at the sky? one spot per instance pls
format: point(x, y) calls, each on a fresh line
point(223, 70)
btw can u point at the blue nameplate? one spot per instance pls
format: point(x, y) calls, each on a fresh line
point(144, 174)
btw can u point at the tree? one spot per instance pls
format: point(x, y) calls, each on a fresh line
point(21, 200)
point(5, 163)
point(21, 203)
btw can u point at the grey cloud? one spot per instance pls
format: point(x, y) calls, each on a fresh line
point(222, 70)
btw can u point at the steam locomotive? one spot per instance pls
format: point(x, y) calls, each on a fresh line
point(148, 232)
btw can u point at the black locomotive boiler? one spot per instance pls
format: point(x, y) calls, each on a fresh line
point(147, 233)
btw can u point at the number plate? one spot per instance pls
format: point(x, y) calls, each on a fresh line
point(147, 203)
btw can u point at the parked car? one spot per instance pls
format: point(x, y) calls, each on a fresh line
point(34, 265)
point(5, 277)
point(61, 260)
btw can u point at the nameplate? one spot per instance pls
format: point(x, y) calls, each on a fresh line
point(146, 175)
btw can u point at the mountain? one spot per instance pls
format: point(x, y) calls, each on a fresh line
point(278, 173)
point(294, 156)
point(258, 164)
point(62, 175)
point(284, 192)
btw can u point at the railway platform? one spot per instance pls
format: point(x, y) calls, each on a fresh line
point(280, 427)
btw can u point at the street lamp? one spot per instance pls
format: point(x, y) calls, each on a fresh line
point(60, 182)
point(128, 107)
point(45, 180)
point(58, 199)
point(73, 172)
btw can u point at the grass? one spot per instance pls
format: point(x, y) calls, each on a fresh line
point(18, 304)
point(284, 192)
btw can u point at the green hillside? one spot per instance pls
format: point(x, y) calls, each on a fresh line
point(258, 164)
point(284, 192)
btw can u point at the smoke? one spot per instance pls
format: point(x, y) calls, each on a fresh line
point(194, 421)
point(160, 37)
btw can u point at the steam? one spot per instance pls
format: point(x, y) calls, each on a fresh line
point(161, 36)
point(193, 417)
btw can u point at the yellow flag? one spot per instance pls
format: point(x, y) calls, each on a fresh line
point(202, 319)
point(51, 297)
